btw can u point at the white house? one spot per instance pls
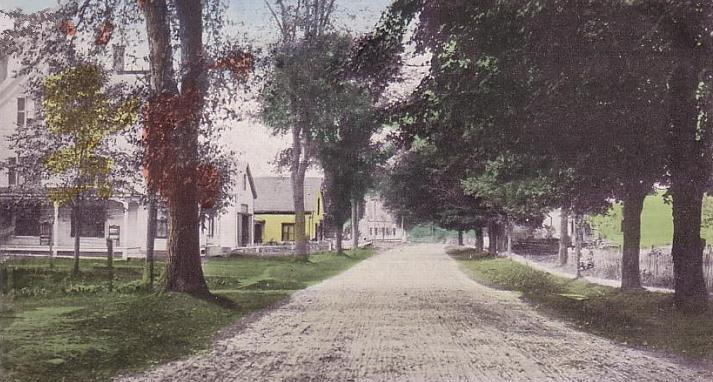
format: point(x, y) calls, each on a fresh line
point(377, 224)
point(235, 227)
point(41, 227)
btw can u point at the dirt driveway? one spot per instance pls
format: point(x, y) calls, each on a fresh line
point(410, 314)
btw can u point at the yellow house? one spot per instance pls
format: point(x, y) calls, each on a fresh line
point(275, 211)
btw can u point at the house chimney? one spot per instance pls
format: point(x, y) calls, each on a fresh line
point(119, 52)
point(3, 67)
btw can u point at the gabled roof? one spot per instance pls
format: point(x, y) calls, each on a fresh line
point(251, 181)
point(275, 194)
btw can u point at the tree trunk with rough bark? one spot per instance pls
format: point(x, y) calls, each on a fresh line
point(688, 169)
point(502, 238)
point(564, 236)
point(150, 240)
point(460, 237)
point(340, 236)
point(689, 284)
point(184, 272)
point(355, 224)
point(298, 196)
point(509, 239)
point(77, 212)
point(578, 243)
point(631, 227)
point(479, 242)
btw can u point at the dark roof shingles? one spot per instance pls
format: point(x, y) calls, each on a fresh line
point(274, 194)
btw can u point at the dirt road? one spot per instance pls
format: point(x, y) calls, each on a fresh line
point(410, 314)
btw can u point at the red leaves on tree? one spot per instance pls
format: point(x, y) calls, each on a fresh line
point(241, 64)
point(142, 4)
point(104, 34)
point(160, 119)
point(209, 182)
point(68, 28)
point(164, 169)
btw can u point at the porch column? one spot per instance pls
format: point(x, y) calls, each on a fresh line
point(55, 228)
point(252, 231)
point(124, 232)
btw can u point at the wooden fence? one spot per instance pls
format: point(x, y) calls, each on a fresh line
point(656, 265)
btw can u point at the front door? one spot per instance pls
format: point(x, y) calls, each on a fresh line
point(258, 233)
point(245, 230)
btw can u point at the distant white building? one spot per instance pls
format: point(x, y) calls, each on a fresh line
point(38, 226)
point(235, 227)
point(377, 224)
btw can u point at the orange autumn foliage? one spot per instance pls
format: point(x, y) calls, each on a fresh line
point(241, 64)
point(209, 182)
point(104, 34)
point(164, 171)
point(68, 28)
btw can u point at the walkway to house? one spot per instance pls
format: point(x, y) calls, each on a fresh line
point(410, 314)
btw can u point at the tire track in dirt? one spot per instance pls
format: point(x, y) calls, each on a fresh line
point(410, 314)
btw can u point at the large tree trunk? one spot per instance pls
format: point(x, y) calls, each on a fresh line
point(158, 32)
point(689, 284)
point(150, 239)
point(492, 238)
point(183, 267)
point(502, 238)
point(630, 272)
point(689, 173)
point(564, 235)
point(77, 212)
point(298, 196)
point(460, 237)
point(298, 169)
point(355, 224)
point(508, 231)
point(339, 233)
point(479, 239)
point(578, 243)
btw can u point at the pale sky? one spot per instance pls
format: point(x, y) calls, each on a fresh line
point(250, 138)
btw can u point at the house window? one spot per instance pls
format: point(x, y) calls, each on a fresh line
point(92, 222)
point(25, 177)
point(11, 171)
point(245, 182)
point(319, 204)
point(394, 231)
point(27, 222)
point(21, 111)
point(161, 225)
point(209, 226)
point(288, 232)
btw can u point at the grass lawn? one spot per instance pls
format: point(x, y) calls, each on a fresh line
point(656, 222)
point(642, 319)
point(57, 328)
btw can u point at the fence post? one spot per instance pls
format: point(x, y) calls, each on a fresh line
point(110, 262)
point(3, 279)
point(10, 279)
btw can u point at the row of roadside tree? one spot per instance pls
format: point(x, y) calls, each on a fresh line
point(529, 106)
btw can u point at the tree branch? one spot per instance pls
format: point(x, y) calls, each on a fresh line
point(277, 19)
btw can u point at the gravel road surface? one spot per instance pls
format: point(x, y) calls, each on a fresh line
point(410, 314)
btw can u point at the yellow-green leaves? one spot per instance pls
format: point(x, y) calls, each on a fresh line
point(79, 113)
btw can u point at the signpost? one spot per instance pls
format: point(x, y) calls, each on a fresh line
point(114, 234)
